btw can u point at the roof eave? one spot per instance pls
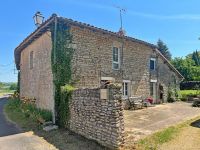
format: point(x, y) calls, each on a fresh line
point(170, 65)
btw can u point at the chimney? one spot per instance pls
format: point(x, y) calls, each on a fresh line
point(121, 32)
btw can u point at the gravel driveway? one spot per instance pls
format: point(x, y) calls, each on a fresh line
point(141, 123)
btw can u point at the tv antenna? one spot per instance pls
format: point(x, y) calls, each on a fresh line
point(121, 10)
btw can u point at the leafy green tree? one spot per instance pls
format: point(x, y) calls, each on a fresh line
point(196, 58)
point(1, 84)
point(13, 86)
point(162, 47)
point(187, 67)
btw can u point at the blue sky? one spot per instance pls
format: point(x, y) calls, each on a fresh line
point(177, 23)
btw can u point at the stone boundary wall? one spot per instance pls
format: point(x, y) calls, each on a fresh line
point(98, 119)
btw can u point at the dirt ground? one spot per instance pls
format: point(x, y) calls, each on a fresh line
point(187, 139)
point(24, 141)
point(140, 123)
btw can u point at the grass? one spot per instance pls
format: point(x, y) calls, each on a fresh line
point(6, 91)
point(29, 110)
point(154, 141)
point(62, 138)
point(186, 93)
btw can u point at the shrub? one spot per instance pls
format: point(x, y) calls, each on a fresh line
point(30, 110)
point(171, 95)
point(13, 86)
point(63, 114)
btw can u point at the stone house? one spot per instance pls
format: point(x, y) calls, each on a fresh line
point(100, 56)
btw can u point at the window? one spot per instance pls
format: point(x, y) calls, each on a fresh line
point(31, 60)
point(125, 88)
point(116, 57)
point(152, 63)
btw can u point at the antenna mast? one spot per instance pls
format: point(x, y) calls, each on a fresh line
point(121, 10)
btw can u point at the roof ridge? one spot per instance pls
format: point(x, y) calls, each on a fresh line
point(108, 31)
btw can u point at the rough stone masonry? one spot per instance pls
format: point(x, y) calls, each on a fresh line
point(98, 119)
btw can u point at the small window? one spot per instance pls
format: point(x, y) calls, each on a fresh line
point(31, 60)
point(152, 63)
point(116, 58)
point(125, 88)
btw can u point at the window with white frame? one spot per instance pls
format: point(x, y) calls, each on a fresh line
point(125, 88)
point(31, 60)
point(116, 58)
point(152, 63)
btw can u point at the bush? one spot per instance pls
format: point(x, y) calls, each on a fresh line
point(30, 110)
point(190, 85)
point(13, 86)
point(171, 95)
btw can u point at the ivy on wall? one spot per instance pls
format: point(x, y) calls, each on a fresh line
point(61, 59)
point(18, 82)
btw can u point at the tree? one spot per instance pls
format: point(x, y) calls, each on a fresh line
point(162, 47)
point(1, 85)
point(13, 86)
point(196, 58)
point(186, 66)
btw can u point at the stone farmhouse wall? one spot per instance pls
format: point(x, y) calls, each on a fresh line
point(98, 119)
point(167, 78)
point(94, 60)
point(37, 82)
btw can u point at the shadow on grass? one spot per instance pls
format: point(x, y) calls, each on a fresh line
point(62, 139)
point(196, 123)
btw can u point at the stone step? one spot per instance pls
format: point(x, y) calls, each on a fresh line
point(50, 128)
point(48, 123)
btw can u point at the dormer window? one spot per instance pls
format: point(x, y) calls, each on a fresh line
point(116, 58)
point(152, 63)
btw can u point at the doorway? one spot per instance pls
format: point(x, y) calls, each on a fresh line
point(153, 91)
point(161, 93)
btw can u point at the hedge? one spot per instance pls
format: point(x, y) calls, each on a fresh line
point(190, 85)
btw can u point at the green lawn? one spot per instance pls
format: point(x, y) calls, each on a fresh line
point(188, 92)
